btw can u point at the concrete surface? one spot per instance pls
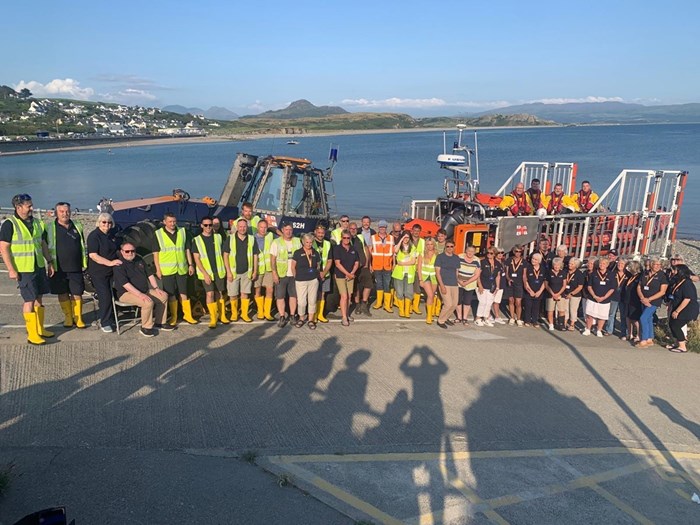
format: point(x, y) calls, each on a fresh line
point(387, 421)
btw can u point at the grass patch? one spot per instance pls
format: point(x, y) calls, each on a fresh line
point(662, 335)
point(250, 456)
point(5, 477)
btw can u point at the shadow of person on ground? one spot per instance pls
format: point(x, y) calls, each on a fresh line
point(674, 415)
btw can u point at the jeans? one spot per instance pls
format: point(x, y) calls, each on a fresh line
point(610, 325)
point(646, 322)
point(404, 289)
point(383, 280)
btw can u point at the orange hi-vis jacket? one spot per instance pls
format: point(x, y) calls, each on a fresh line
point(382, 252)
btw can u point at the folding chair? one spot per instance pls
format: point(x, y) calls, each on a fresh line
point(124, 313)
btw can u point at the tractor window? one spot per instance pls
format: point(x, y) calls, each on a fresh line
point(316, 194)
point(297, 194)
point(271, 194)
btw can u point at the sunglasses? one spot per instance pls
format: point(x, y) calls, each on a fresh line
point(348, 238)
point(518, 251)
point(209, 225)
point(128, 251)
point(449, 246)
point(344, 220)
point(106, 222)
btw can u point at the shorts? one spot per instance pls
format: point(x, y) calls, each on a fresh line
point(286, 288)
point(365, 279)
point(498, 296)
point(600, 311)
point(218, 284)
point(264, 280)
point(67, 282)
point(32, 285)
point(515, 292)
point(560, 305)
point(175, 284)
point(325, 286)
point(465, 297)
point(344, 286)
point(241, 284)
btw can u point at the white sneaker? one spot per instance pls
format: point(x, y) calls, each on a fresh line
point(551, 327)
point(599, 333)
point(498, 320)
point(520, 323)
point(488, 322)
point(511, 322)
point(479, 322)
point(586, 332)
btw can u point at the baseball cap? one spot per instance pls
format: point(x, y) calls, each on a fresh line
point(383, 224)
point(613, 252)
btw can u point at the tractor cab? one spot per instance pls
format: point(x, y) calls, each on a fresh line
point(281, 189)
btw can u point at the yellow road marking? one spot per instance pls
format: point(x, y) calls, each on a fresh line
point(621, 505)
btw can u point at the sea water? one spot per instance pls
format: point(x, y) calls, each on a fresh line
point(375, 174)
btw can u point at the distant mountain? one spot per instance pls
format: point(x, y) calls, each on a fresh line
point(300, 109)
point(214, 112)
point(605, 112)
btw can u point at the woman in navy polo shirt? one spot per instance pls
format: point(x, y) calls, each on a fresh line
point(534, 280)
point(651, 290)
point(630, 298)
point(556, 286)
point(574, 283)
point(683, 306)
point(600, 287)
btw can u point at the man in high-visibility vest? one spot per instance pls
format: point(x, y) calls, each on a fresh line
point(67, 248)
point(419, 247)
point(323, 247)
point(264, 239)
point(24, 249)
point(241, 260)
point(382, 254)
point(247, 214)
point(280, 259)
point(209, 261)
point(172, 257)
point(336, 234)
point(364, 282)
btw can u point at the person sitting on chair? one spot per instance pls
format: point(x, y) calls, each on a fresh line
point(135, 285)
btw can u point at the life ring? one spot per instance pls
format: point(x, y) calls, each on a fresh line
point(209, 201)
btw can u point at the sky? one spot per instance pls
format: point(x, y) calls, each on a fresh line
point(422, 58)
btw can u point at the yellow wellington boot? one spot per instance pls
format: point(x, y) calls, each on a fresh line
point(40, 322)
point(396, 299)
point(172, 308)
point(380, 300)
point(67, 313)
point(437, 305)
point(268, 309)
point(320, 308)
point(222, 311)
point(213, 314)
point(416, 304)
point(33, 337)
point(260, 307)
point(401, 308)
point(245, 306)
point(429, 313)
point(388, 299)
point(187, 312)
point(78, 313)
point(407, 308)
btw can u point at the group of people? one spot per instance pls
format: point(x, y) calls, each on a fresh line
point(251, 263)
point(533, 201)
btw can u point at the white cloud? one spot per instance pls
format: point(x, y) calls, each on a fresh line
point(421, 103)
point(66, 87)
point(129, 96)
point(574, 100)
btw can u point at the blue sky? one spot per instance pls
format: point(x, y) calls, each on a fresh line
point(435, 58)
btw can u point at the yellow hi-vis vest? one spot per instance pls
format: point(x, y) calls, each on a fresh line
point(204, 257)
point(428, 269)
point(337, 235)
point(264, 262)
point(323, 251)
point(172, 256)
point(26, 246)
point(232, 254)
point(403, 271)
point(51, 234)
point(283, 255)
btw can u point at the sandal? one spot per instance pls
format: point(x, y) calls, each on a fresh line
point(671, 347)
point(312, 325)
point(678, 350)
point(345, 322)
point(299, 323)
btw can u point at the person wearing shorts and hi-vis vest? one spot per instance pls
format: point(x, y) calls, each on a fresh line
point(66, 242)
point(281, 253)
point(208, 258)
point(263, 303)
point(241, 260)
point(24, 250)
point(172, 257)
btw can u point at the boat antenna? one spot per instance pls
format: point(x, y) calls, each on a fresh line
point(476, 158)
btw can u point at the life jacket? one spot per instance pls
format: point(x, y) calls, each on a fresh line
point(521, 206)
point(584, 201)
point(535, 198)
point(555, 204)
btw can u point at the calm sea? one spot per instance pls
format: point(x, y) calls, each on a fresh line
point(375, 173)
